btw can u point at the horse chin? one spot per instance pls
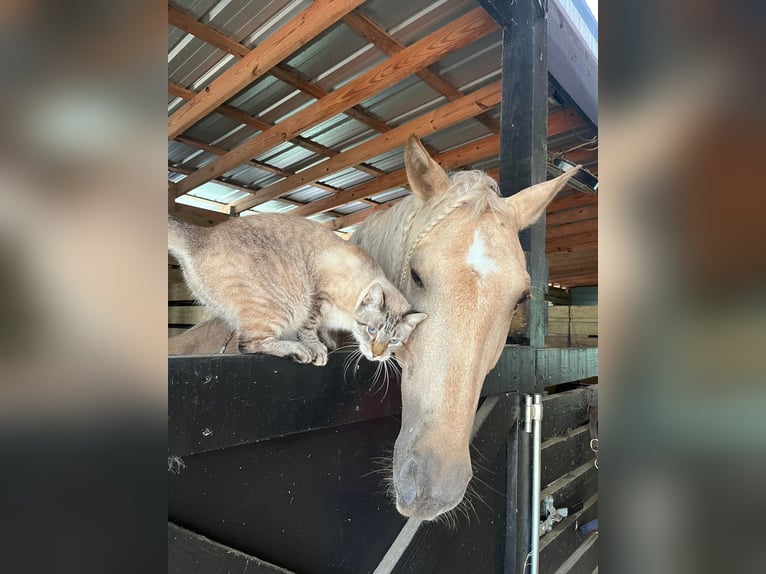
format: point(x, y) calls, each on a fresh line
point(427, 510)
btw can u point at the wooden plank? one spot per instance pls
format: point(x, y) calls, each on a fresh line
point(187, 314)
point(573, 328)
point(368, 29)
point(219, 151)
point(257, 123)
point(283, 72)
point(567, 410)
point(571, 63)
point(578, 271)
point(196, 215)
point(177, 288)
point(584, 559)
point(316, 18)
point(294, 78)
point(523, 151)
point(460, 32)
point(571, 200)
point(561, 542)
point(564, 342)
point(588, 240)
point(453, 159)
point(250, 398)
point(189, 24)
point(459, 157)
point(567, 229)
point(438, 119)
point(575, 214)
point(573, 488)
point(515, 370)
point(571, 255)
point(192, 552)
point(563, 453)
point(576, 312)
point(556, 366)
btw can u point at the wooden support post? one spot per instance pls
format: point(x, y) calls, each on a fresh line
point(523, 137)
point(523, 156)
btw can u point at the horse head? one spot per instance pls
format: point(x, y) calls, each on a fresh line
point(454, 250)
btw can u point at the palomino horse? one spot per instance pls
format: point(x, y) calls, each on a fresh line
point(452, 247)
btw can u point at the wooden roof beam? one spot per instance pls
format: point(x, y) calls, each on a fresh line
point(438, 119)
point(460, 157)
point(377, 36)
point(455, 35)
point(312, 21)
point(254, 122)
point(219, 151)
point(359, 216)
point(283, 72)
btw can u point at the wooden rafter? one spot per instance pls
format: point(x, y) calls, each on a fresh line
point(377, 36)
point(257, 123)
point(283, 72)
point(286, 40)
point(572, 215)
point(460, 157)
point(568, 229)
point(440, 118)
point(458, 33)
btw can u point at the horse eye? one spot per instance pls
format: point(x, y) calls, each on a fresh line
point(416, 278)
point(524, 297)
point(371, 330)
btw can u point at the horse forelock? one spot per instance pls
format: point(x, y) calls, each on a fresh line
point(391, 236)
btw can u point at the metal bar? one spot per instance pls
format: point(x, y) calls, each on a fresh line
point(536, 416)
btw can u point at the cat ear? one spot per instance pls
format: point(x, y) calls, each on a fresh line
point(413, 319)
point(530, 202)
point(427, 178)
point(374, 297)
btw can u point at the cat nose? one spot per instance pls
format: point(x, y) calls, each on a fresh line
point(378, 349)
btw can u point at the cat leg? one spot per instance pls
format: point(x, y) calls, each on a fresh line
point(327, 338)
point(309, 337)
point(295, 350)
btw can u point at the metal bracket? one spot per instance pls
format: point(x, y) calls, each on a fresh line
point(553, 514)
point(532, 412)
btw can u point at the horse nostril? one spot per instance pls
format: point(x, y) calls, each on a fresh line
point(408, 483)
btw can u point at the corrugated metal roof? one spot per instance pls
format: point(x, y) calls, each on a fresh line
point(331, 60)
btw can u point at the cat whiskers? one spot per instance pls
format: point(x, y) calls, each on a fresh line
point(387, 376)
point(352, 359)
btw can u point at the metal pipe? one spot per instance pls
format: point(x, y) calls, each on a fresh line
point(537, 417)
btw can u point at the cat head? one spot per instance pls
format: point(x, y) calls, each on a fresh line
point(383, 323)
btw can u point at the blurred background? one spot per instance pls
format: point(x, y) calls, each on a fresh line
point(681, 269)
point(681, 264)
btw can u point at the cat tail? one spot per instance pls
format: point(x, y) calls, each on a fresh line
point(180, 237)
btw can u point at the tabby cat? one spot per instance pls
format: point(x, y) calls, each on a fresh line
point(282, 283)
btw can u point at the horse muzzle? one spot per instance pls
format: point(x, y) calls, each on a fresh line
point(424, 491)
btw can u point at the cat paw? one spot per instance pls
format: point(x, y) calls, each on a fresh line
point(302, 356)
point(320, 359)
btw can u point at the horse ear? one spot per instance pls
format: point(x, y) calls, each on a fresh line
point(530, 203)
point(427, 178)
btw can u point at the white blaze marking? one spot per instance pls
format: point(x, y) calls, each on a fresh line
point(477, 257)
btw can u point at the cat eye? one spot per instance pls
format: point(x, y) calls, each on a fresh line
point(416, 278)
point(394, 342)
point(371, 329)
